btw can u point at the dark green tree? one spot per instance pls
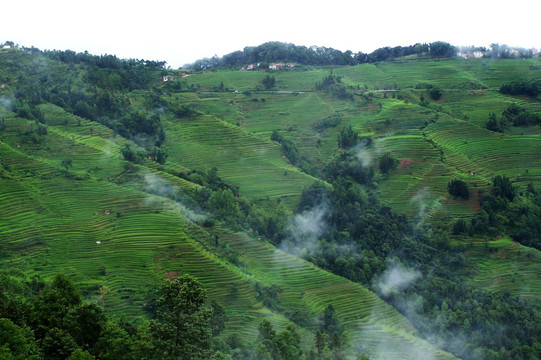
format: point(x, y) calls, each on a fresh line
point(493, 124)
point(17, 343)
point(160, 154)
point(53, 304)
point(182, 330)
point(330, 324)
point(442, 49)
point(435, 93)
point(85, 323)
point(458, 188)
point(269, 82)
point(114, 343)
point(66, 163)
point(218, 319)
point(58, 344)
point(347, 138)
point(387, 163)
point(460, 226)
point(501, 186)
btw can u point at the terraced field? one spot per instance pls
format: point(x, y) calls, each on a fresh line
point(483, 153)
point(255, 165)
point(372, 325)
point(506, 266)
point(98, 222)
point(112, 239)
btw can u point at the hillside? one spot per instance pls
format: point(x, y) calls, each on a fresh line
point(121, 174)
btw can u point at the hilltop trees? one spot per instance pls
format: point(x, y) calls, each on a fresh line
point(442, 49)
point(270, 52)
point(96, 89)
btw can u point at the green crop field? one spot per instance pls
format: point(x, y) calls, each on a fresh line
point(72, 202)
point(505, 266)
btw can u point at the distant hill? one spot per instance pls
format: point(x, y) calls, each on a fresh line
point(270, 53)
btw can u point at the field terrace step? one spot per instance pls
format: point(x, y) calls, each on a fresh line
point(372, 324)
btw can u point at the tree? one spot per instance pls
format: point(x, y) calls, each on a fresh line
point(66, 163)
point(458, 188)
point(224, 205)
point(182, 329)
point(435, 93)
point(217, 322)
point(79, 354)
point(160, 154)
point(114, 343)
point(85, 323)
point(493, 124)
point(58, 344)
point(41, 130)
point(347, 138)
point(460, 227)
point(53, 304)
point(501, 186)
point(268, 82)
point(17, 343)
point(442, 49)
point(288, 343)
point(387, 163)
point(330, 324)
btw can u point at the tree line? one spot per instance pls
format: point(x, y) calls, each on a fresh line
point(271, 52)
point(40, 321)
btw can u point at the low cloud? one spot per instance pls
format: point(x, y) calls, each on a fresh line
point(155, 185)
point(158, 186)
point(426, 204)
point(7, 103)
point(363, 154)
point(395, 279)
point(306, 230)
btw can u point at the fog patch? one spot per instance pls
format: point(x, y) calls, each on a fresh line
point(306, 229)
point(426, 204)
point(143, 140)
point(363, 154)
point(155, 185)
point(7, 103)
point(158, 186)
point(395, 279)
